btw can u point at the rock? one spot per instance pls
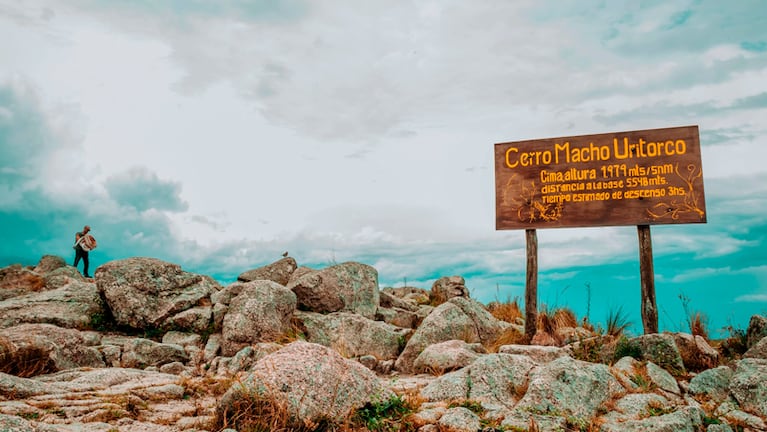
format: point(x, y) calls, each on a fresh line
point(13, 387)
point(74, 305)
point(16, 280)
point(278, 272)
point(144, 293)
point(715, 383)
point(196, 319)
point(459, 318)
point(625, 370)
point(175, 368)
point(532, 421)
point(49, 263)
point(446, 288)
point(696, 353)
point(387, 299)
point(757, 350)
point(662, 379)
point(398, 317)
point(417, 296)
point(212, 347)
point(749, 387)
point(353, 335)
point(309, 381)
point(756, 331)
point(52, 348)
point(496, 378)
point(260, 313)
point(685, 419)
point(181, 338)
point(661, 349)
point(540, 354)
point(140, 353)
point(458, 419)
point(447, 356)
point(571, 388)
point(300, 271)
point(15, 424)
point(634, 405)
point(347, 287)
point(61, 276)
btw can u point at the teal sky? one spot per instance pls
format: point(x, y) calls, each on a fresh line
point(219, 134)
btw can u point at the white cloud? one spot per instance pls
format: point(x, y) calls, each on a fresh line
point(752, 298)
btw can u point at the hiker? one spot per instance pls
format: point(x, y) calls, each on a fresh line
point(84, 243)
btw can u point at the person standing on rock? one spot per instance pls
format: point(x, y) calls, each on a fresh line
point(84, 243)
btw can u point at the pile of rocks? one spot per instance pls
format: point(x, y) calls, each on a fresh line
point(147, 346)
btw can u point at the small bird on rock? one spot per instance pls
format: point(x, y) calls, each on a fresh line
point(285, 254)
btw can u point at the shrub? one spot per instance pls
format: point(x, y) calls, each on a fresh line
point(626, 348)
point(734, 346)
point(383, 417)
point(617, 322)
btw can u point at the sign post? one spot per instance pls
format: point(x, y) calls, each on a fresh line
point(642, 178)
point(531, 284)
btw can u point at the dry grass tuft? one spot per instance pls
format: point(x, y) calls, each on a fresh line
point(24, 361)
point(205, 385)
point(508, 311)
point(698, 325)
point(546, 329)
point(297, 331)
point(510, 336)
point(250, 412)
point(565, 317)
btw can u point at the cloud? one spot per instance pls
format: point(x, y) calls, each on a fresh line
point(752, 298)
point(24, 138)
point(143, 190)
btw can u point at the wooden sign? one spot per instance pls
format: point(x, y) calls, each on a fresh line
point(644, 177)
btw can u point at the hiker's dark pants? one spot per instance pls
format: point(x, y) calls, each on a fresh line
point(79, 253)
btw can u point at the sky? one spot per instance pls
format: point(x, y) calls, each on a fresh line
point(219, 134)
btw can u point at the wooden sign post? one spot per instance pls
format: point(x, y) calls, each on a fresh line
point(641, 178)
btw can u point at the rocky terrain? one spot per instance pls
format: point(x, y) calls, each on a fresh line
point(146, 346)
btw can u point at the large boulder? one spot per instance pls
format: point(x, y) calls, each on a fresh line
point(756, 331)
point(493, 378)
point(278, 272)
point(309, 382)
point(350, 286)
point(75, 305)
point(388, 299)
point(446, 288)
point(47, 348)
point(16, 280)
point(684, 419)
point(260, 313)
point(661, 349)
point(757, 350)
point(749, 387)
point(696, 353)
point(570, 388)
point(139, 353)
point(353, 335)
point(49, 263)
point(447, 356)
point(459, 318)
point(144, 293)
point(713, 383)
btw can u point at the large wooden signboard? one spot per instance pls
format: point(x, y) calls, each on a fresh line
point(641, 177)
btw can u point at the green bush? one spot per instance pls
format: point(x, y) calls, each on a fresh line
point(626, 348)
